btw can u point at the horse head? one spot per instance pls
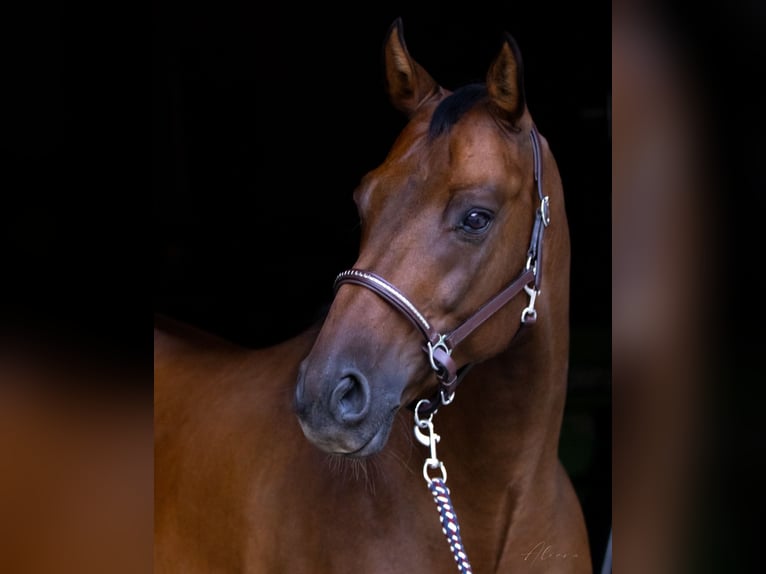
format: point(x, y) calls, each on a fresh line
point(446, 219)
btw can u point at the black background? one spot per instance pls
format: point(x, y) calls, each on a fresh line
point(265, 119)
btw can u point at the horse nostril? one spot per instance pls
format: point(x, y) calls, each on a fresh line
point(350, 400)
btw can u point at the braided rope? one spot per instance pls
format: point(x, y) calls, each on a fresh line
point(450, 526)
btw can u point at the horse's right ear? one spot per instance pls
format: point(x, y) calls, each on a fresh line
point(407, 83)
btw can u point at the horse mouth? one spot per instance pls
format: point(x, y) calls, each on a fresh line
point(344, 445)
point(377, 441)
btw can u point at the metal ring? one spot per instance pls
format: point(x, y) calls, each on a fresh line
point(431, 348)
point(418, 421)
point(432, 463)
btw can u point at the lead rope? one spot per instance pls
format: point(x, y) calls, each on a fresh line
point(439, 490)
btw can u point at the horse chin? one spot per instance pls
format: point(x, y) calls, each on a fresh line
point(352, 443)
point(376, 443)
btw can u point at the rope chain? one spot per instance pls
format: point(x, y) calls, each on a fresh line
point(450, 525)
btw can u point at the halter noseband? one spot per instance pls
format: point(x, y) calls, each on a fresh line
point(439, 346)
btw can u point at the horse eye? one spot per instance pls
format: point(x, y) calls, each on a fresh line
point(476, 221)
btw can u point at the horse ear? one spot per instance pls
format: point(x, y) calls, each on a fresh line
point(505, 80)
point(407, 83)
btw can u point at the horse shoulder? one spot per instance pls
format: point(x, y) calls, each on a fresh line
point(217, 407)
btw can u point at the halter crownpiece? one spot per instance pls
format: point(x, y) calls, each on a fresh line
point(439, 346)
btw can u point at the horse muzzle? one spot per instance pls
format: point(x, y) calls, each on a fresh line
point(339, 412)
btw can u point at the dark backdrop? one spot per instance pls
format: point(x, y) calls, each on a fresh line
point(265, 116)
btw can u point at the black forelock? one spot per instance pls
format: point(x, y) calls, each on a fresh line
point(454, 106)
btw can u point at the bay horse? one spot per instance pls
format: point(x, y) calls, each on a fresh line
point(415, 428)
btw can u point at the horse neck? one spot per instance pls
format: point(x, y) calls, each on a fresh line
point(510, 410)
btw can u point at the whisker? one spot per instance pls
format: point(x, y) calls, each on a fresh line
point(354, 469)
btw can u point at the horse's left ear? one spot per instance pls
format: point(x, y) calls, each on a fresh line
point(505, 80)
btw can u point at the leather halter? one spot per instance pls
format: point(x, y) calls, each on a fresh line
point(439, 346)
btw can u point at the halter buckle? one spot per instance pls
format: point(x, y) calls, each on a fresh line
point(442, 342)
point(545, 210)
